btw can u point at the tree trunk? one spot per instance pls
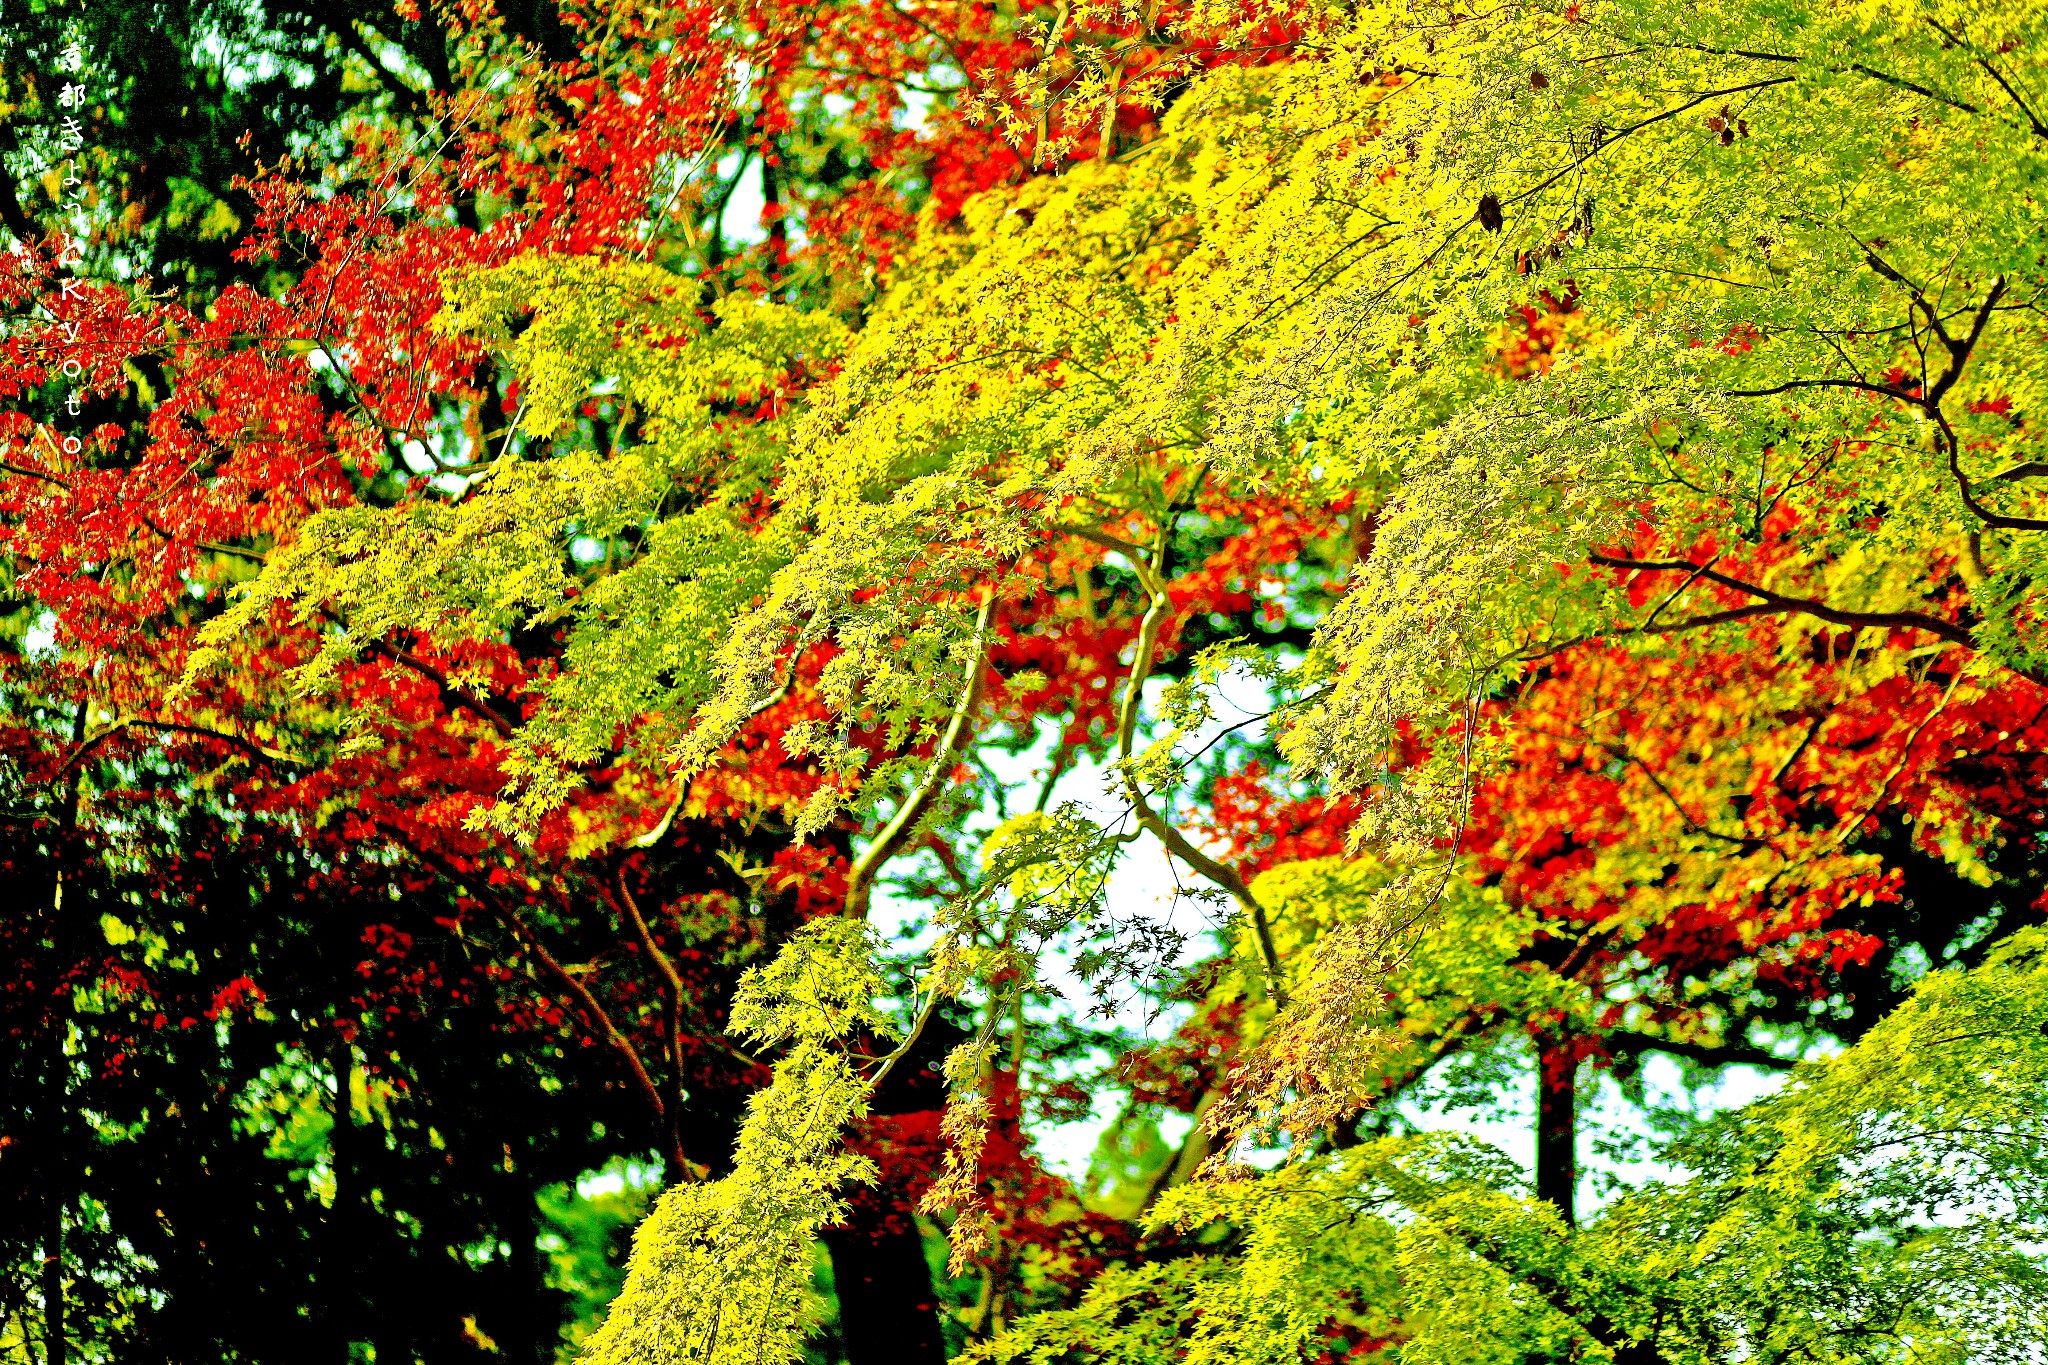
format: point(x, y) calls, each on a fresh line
point(55, 1124)
point(55, 1347)
point(888, 1308)
point(337, 1262)
point(888, 1311)
point(1557, 1126)
point(57, 1121)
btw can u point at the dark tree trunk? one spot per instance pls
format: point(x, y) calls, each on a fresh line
point(56, 1346)
point(1557, 1127)
point(57, 1121)
point(54, 1116)
point(337, 1263)
point(888, 1308)
point(888, 1311)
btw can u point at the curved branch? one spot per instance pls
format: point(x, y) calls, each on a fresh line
point(1861, 385)
point(1134, 553)
point(1727, 1054)
point(44, 476)
point(674, 989)
point(661, 828)
point(451, 695)
point(1712, 618)
point(902, 1050)
point(1959, 352)
point(595, 1013)
point(90, 742)
point(1169, 834)
point(861, 879)
point(1779, 602)
point(2033, 120)
point(1618, 134)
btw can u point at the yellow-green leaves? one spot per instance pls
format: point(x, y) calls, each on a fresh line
point(720, 1269)
point(1807, 237)
point(1888, 1207)
point(1787, 220)
point(646, 336)
point(821, 986)
point(1950, 1083)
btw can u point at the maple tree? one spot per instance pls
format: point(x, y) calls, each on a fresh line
point(220, 418)
point(948, 377)
point(1633, 569)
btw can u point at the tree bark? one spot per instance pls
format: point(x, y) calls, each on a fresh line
point(888, 1307)
point(1557, 1127)
point(57, 1121)
point(888, 1311)
point(337, 1269)
point(55, 1347)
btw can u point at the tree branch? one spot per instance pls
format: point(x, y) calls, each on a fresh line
point(1619, 134)
point(673, 988)
point(887, 844)
point(1779, 602)
point(594, 1011)
point(450, 694)
point(2034, 122)
point(1134, 553)
point(661, 827)
point(1745, 1054)
point(1178, 844)
point(1888, 390)
point(93, 741)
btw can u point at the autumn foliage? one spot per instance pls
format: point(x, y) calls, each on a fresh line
point(669, 594)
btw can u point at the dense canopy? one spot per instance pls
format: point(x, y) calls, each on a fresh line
point(751, 619)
